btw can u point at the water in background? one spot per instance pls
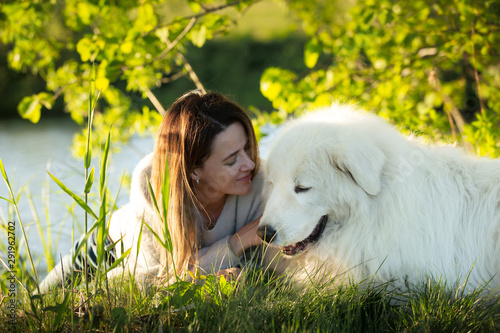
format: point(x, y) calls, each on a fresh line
point(27, 152)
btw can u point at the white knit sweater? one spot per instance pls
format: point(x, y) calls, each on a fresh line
point(214, 254)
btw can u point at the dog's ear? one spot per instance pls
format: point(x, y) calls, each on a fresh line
point(364, 163)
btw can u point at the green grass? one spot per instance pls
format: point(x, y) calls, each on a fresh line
point(256, 303)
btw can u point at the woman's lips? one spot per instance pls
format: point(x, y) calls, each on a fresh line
point(246, 179)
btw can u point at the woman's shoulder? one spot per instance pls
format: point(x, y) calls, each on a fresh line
point(139, 189)
point(143, 168)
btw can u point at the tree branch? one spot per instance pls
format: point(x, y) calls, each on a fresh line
point(155, 102)
point(176, 41)
point(191, 73)
point(216, 9)
point(454, 115)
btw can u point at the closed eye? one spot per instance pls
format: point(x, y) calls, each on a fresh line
point(301, 189)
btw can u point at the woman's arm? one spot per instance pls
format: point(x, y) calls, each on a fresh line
point(67, 270)
point(225, 254)
point(245, 238)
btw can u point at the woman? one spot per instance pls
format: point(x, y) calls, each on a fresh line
point(214, 202)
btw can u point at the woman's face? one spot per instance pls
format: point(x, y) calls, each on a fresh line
point(228, 170)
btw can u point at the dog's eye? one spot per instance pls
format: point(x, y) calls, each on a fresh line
point(301, 189)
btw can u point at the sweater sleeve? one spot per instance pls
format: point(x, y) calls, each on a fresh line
point(126, 224)
point(216, 257)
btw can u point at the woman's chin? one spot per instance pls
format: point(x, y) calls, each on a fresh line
point(242, 188)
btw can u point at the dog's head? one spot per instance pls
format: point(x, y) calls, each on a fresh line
point(321, 169)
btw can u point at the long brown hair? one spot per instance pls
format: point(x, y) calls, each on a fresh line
point(184, 141)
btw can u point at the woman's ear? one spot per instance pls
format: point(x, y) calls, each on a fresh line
point(195, 175)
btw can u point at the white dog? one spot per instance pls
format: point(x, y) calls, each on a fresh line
point(349, 193)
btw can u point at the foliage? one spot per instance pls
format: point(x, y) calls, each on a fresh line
point(136, 46)
point(430, 66)
point(256, 303)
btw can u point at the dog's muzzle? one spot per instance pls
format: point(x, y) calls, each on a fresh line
point(266, 233)
point(301, 246)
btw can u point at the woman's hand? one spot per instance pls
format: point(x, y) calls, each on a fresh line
point(229, 274)
point(245, 238)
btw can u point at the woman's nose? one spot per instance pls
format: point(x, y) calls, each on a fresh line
point(248, 163)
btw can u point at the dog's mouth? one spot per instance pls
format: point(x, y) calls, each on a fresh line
point(312, 238)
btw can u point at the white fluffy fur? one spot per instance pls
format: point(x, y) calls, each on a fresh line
point(398, 210)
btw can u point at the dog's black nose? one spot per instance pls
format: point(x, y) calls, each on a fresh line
point(266, 233)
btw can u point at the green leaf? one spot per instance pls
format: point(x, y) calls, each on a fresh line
point(60, 309)
point(146, 19)
point(101, 236)
point(75, 197)
point(46, 99)
point(165, 192)
point(162, 34)
point(88, 150)
point(86, 11)
point(226, 287)
point(199, 37)
point(311, 54)
point(8, 200)
point(119, 260)
point(270, 89)
point(195, 6)
point(89, 181)
point(84, 240)
point(153, 198)
point(86, 48)
point(168, 241)
point(368, 17)
point(120, 319)
point(4, 174)
point(30, 108)
point(104, 164)
point(155, 235)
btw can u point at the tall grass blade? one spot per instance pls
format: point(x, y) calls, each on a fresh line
point(75, 197)
point(104, 164)
point(14, 203)
point(4, 174)
point(102, 231)
point(153, 198)
point(60, 309)
point(119, 260)
point(163, 243)
point(46, 246)
point(165, 193)
point(8, 200)
point(46, 207)
point(14, 275)
point(89, 181)
point(158, 238)
point(88, 151)
point(84, 240)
